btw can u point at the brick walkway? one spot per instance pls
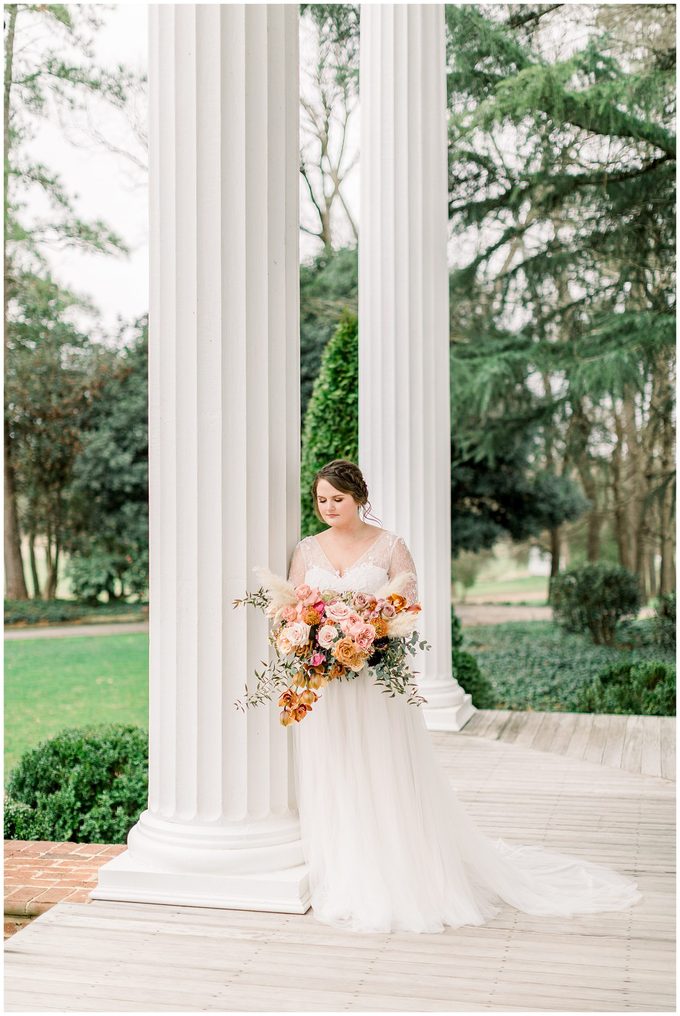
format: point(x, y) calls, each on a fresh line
point(39, 874)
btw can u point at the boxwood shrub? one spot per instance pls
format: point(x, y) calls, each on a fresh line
point(87, 785)
point(466, 671)
point(593, 598)
point(664, 621)
point(644, 688)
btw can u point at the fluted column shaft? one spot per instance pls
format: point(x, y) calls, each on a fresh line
point(221, 825)
point(404, 408)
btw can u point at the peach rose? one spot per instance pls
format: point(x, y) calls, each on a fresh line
point(303, 591)
point(348, 653)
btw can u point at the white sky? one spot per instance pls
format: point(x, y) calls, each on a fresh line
point(107, 189)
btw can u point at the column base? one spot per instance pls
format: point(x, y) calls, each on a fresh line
point(282, 892)
point(448, 706)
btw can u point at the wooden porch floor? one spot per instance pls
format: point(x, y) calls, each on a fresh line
point(639, 744)
point(103, 956)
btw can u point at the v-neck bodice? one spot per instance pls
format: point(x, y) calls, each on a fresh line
point(386, 557)
point(354, 563)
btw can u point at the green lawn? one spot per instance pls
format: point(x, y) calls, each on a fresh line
point(534, 588)
point(53, 683)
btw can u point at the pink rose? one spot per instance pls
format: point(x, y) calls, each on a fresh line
point(312, 597)
point(317, 659)
point(364, 636)
point(289, 614)
point(388, 611)
point(337, 611)
point(361, 600)
point(326, 635)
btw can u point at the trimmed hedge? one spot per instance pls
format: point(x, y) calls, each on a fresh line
point(86, 785)
point(56, 611)
point(644, 689)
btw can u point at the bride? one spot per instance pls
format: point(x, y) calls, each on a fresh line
point(388, 844)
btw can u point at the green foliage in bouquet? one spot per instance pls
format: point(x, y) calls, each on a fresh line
point(87, 785)
point(593, 598)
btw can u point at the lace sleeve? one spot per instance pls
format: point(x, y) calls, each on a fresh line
point(298, 568)
point(401, 561)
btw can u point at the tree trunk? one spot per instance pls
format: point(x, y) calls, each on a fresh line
point(15, 581)
point(54, 575)
point(34, 566)
point(555, 548)
point(651, 573)
point(667, 514)
point(621, 522)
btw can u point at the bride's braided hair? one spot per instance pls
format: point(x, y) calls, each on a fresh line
point(347, 477)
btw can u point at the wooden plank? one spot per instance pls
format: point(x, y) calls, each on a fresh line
point(566, 725)
point(651, 746)
point(512, 728)
point(632, 747)
point(594, 749)
point(579, 738)
point(668, 727)
point(532, 722)
point(500, 718)
point(545, 735)
point(616, 735)
point(477, 722)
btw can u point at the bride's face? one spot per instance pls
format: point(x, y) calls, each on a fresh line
point(336, 507)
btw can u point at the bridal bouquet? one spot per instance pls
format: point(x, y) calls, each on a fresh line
point(321, 636)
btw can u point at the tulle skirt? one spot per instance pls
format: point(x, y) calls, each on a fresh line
point(388, 843)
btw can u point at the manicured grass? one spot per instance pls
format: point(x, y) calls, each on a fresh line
point(536, 665)
point(534, 587)
point(53, 683)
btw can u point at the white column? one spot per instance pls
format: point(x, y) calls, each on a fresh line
point(221, 828)
point(404, 411)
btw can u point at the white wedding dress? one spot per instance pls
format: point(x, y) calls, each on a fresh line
point(388, 844)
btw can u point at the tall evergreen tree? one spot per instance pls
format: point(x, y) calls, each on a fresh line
point(562, 192)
